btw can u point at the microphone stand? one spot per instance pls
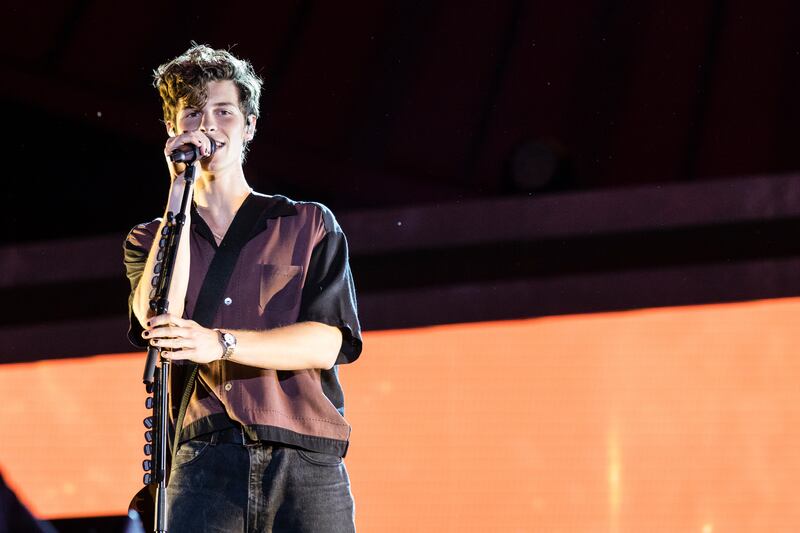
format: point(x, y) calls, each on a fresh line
point(159, 385)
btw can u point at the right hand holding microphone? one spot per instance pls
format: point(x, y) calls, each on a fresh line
point(187, 148)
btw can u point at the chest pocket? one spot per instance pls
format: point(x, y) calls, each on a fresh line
point(281, 289)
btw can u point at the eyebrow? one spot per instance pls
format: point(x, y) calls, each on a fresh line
point(218, 104)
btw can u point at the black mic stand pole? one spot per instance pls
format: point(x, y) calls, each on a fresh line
point(159, 385)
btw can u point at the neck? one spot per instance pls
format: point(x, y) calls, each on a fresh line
point(221, 194)
point(218, 197)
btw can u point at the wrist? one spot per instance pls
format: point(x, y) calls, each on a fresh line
point(228, 342)
point(175, 199)
point(176, 189)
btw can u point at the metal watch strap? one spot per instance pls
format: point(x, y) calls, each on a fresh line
point(225, 344)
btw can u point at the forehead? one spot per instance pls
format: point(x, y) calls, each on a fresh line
point(217, 93)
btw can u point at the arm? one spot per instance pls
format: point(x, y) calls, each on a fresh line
point(140, 304)
point(327, 331)
point(294, 347)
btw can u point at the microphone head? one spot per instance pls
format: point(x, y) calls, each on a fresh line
point(189, 153)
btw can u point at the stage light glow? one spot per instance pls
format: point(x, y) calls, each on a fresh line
point(659, 420)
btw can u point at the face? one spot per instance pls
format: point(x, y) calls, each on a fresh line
point(222, 120)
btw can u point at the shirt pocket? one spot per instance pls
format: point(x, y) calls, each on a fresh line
point(281, 288)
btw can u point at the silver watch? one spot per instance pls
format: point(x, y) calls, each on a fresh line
point(228, 342)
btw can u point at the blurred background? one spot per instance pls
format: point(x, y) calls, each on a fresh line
point(572, 226)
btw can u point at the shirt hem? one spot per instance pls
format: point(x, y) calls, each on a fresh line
point(314, 443)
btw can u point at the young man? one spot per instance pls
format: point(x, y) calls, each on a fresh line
point(264, 434)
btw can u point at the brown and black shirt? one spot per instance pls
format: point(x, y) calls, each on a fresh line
point(293, 268)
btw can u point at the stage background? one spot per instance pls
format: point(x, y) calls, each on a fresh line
point(660, 420)
point(572, 228)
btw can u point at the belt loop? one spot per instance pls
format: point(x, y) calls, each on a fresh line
point(214, 438)
point(246, 440)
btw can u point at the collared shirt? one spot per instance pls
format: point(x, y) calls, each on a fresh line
point(294, 268)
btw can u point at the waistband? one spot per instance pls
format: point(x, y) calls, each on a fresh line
point(233, 435)
point(226, 430)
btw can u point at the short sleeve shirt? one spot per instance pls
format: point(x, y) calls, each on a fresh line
point(293, 268)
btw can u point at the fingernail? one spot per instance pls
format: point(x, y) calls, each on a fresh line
point(145, 334)
point(148, 324)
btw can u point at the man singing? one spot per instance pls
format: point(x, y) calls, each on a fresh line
point(263, 437)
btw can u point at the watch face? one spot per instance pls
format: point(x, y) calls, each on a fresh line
point(229, 339)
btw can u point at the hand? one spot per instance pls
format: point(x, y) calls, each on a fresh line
point(183, 339)
point(196, 138)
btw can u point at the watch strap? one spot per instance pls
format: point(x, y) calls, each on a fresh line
point(228, 347)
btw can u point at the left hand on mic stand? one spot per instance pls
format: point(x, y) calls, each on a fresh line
point(181, 339)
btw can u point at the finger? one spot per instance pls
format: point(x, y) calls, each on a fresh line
point(173, 344)
point(204, 143)
point(179, 140)
point(188, 137)
point(167, 332)
point(198, 138)
point(158, 321)
point(181, 322)
point(179, 355)
point(165, 320)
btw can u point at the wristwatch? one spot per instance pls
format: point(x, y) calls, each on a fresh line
point(228, 342)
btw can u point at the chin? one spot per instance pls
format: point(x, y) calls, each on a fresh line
point(214, 165)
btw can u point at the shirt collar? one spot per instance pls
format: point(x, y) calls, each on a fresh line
point(271, 207)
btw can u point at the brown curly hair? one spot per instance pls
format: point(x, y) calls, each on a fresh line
point(184, 80)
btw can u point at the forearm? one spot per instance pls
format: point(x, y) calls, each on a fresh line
point(180, 275)
point(294, 347)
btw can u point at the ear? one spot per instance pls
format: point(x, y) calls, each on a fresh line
point(170, 128)
point(250, 127)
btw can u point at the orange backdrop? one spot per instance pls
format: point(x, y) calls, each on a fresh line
point(679, 419)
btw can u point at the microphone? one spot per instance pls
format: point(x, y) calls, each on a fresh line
point(189, 153)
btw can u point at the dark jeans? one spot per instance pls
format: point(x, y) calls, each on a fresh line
point(226, 487)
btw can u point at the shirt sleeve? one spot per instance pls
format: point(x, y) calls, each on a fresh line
point(137, 246)
point(329, 294)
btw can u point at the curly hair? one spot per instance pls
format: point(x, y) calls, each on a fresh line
point(183, 80)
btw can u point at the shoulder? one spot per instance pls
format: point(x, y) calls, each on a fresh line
point(314, 212)
point(142, 235)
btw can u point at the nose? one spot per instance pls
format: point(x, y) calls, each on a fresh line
point(207, 122)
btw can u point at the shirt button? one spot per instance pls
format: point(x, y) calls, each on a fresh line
point(227, 301)
point(228, 386)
